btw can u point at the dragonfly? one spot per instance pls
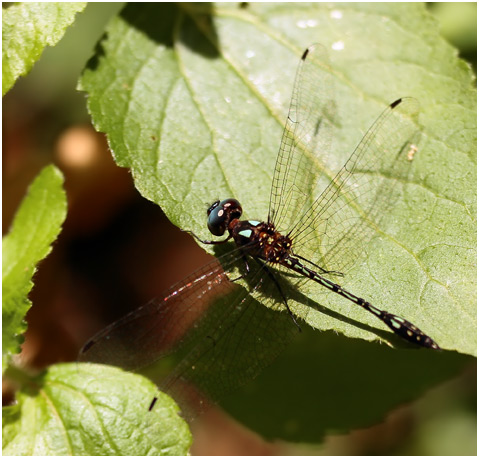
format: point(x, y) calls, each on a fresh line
point(219, 327)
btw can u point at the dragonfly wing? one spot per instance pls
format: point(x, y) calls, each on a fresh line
point(204, 338)
point(249, 337)
point(306, 136)
point(335, 229)
point(152, 331)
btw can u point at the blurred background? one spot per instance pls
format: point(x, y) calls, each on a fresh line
point(117, 250)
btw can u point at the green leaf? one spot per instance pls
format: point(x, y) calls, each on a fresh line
point(36, 225)
point(193, 100)
point(26, 29)
point(81, 409)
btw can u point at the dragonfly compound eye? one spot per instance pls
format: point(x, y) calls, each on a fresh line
point(220, 214)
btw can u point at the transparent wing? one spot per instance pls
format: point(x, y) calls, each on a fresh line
point(307, 134)
point(206, 336)
point(334, 230)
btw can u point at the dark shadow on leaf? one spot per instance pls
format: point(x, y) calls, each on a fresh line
point(385, 335)
point(328, 379)
point(99, 53)
point(166, 22)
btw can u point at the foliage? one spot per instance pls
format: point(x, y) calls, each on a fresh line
point(36, 226)
point(26, 29)
point(192, 99)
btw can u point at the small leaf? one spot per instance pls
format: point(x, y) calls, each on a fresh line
point(81, 409)
point(26, 29)
point(36, 225)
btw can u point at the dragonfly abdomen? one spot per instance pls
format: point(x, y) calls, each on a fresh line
point(400, 326)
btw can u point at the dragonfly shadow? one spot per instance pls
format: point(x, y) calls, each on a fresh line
point(392, 339)
point(290, 285)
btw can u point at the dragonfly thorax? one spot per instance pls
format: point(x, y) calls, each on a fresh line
point(261, 240)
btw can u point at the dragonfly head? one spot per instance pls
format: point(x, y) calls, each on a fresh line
point(220, 214)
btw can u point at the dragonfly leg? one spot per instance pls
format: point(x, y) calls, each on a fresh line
point(246, 267)
point(273, 278)
point(324, 271)
point(207, 242)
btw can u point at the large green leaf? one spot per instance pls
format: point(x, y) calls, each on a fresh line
point(193, 100)
point(76, 409)
point(37, 224)
point(26, 29)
